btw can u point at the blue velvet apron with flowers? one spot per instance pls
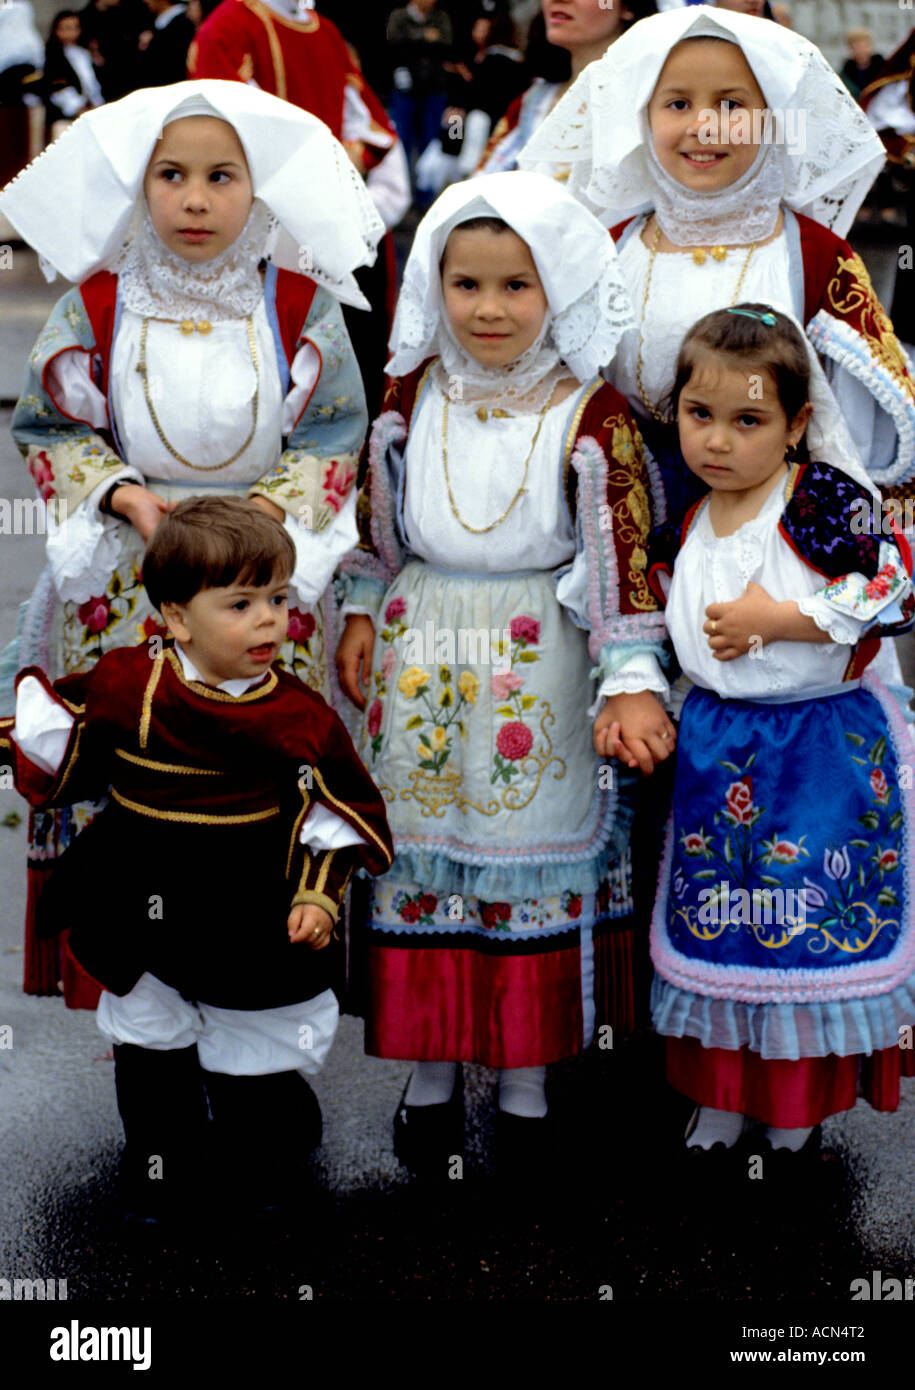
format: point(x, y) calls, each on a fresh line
point(785, 878)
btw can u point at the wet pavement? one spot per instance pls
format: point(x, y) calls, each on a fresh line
point(610, 1213)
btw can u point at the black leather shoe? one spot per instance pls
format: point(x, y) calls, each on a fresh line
point(427, 1137)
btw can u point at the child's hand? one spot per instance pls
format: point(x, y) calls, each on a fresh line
point(635, 729)
point(142, 508)
point(354, 657)
point(267, 506)
point(309, 923)
point(732, 626)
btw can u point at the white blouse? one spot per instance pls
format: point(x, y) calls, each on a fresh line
point(202, 388)
point(486, 466)
point(717, 569)
point(680, 293)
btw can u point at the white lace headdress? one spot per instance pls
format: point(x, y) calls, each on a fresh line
point(589, 307)
point(81, 202)
point(828, 157)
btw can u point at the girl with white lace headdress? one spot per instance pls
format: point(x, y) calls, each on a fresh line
point(503, 556)
point(784, 932)
point(667, 139)
point(179, 365)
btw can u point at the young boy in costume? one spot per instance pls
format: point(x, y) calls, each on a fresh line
point(238, 812)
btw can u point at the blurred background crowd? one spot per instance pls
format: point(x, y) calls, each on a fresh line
point(463, 82)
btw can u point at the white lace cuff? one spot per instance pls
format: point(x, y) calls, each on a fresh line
point(318, 553)
point(83, 552)
point(641, 672)
point(43, 725)
point(840, 627)
point(324, 830)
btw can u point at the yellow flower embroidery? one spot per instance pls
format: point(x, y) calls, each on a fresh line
point(413, 680)
point(423, 751)
point(438, 739)
point(469, 686)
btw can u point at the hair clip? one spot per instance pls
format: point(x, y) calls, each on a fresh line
point(768, 319)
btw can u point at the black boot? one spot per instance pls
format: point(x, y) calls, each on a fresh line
point(163, 1109)
point(265, 1126)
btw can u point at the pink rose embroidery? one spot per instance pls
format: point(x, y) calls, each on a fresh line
point(514, 741)
point(878, 784)
point(695, 844)
point(387, 663)
point(504, 683)
point(337, 482)
point(395, 609)
point(41, 470)
point(94, 614)
point(785, 851)
point(739, 799)
point(301, 625)
point(525, 629)
point(374, 720)
point(889, 859)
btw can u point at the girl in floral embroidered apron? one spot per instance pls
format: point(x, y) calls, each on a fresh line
point(784, 932)
point(507, 502)
point(177, 366)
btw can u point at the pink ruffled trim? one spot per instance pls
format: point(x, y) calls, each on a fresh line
point(387, 562)
point(802, 986)
point(608, 625)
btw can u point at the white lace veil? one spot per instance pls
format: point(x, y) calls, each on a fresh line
point(77, 203)
point(589, 308)
point(829, 157)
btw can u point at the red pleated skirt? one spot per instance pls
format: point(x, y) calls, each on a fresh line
point(789, 1095)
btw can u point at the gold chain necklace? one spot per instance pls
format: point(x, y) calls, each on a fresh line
point(652, 409)
point(482, 530)
point(144, 373)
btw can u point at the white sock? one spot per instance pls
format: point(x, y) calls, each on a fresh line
point(792, 1139)
point(715, 1127)
point(522, 1091)
point(432, 1083)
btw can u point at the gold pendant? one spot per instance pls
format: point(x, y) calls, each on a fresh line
point(187, 326)
point(482, 413)
point(699, 256)
point(719, 253)
point(204, 326)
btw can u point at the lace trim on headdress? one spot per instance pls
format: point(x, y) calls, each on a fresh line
point(577, 342)
point(744, 212)
point(157, 283)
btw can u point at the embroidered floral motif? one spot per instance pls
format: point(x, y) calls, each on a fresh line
point(416, 909)
point(100, 615)
point(39, 465)
point(835, 912)
point(851, 295)
point(515, 739)
point(338, 480)
point(394, 627)
point(303, 653)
